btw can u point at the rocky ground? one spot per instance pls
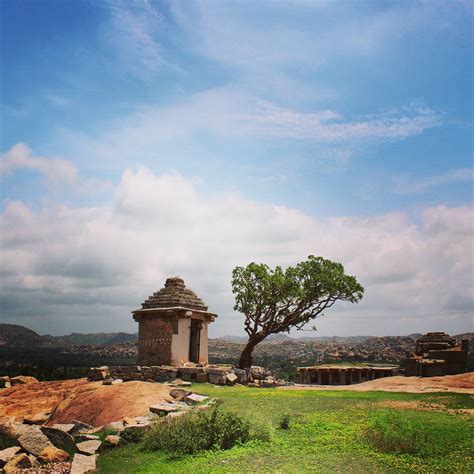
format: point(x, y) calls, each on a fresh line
point(54, 427)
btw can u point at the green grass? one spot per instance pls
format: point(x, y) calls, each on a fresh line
point(330, 431)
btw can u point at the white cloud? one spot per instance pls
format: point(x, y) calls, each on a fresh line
point(20, 157)
point(405, 185)
point(85, 269)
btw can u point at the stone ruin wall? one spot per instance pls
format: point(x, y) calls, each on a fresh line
point(155, 336)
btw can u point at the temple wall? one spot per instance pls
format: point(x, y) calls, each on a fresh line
point(203, 356)
point(180, 343)
point(154, 341)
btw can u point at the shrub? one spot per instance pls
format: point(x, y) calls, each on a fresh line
point(261, 430)
point(197, 431)
point(133, 435)
point(284, 422)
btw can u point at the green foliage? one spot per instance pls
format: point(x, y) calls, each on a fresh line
point(415, 433)
point(133, 435)
point(198, 431)
point(261, 429)
point(284, 423)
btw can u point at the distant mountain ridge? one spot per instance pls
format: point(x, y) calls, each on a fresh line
point(14, 335)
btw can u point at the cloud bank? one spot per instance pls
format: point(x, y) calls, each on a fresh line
point(84, 269)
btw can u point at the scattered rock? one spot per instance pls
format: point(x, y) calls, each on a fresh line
point(12, 430)
point(52, 454)
point(38, 419)
point(67, 427)
point(115, 426)
point(82, 464)
point(241, 375)
point(89, 447)
point(179, 394)
point(33, 440)
point(117, 381)
point(5, 382)
point(7, 454)
point(96, 374)
point(80, 427)
point(164, 408)
point(231, 379)
point(23, 379)
point(175, 414)
point(136, 429)
point(20, 461)
point(80, 438)
point(59, 438)
point(195, 398)
point(111, 441)
point(108, 381)
point(129, 421)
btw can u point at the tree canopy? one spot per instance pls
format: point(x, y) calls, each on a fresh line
point(278, 300)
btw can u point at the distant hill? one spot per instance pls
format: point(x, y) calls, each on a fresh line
point(13, 335)
point(97, 339)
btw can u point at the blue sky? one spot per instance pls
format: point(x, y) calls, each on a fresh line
point(335, 111)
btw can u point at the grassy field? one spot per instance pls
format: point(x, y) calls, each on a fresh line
point(330, 431)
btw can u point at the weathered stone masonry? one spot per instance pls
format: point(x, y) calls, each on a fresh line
point(173, 327)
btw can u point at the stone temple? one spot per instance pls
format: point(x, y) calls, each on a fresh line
point(172, 326)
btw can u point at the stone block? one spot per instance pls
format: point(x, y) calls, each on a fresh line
point(231, 379)
point(217, 379)
point(7, 454)
point(202, 378)
point(89, 447)
point(60, 438)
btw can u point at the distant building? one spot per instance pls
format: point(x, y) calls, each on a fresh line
point(437, 353)
point(343, 375)
point(172, 326)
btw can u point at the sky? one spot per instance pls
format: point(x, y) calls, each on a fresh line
point(145, 139)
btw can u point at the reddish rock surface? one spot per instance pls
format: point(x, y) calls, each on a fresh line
point(90, 402)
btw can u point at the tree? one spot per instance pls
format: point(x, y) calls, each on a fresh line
point(275, 301)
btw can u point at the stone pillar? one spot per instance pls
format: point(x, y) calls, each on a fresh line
point(319, 376)
point(329, 377)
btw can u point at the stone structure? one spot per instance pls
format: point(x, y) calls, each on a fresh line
point(342, 375)
point(437, 353)
point(173, 326)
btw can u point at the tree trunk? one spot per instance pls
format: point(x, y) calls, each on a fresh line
point(246, 356)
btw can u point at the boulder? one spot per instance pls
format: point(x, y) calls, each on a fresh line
point(7, 454)
point(33, 440)
point(82, 464)
point(89, 447)
point(231, 379)
point(20, 461)
point(117, 381)
point(11, 429)
point(23, 379)
point(52, 454)
point(59, 438)
point(5, 382)
point(108, 381)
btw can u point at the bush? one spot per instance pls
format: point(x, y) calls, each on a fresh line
point(418, 433)
point(261, 430)
point(284, 422)
point(197, 431)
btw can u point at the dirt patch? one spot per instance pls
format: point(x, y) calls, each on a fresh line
point(90, 402)
point(461, 383)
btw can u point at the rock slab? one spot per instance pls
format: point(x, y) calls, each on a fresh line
point(33, 440)
point(7, 454)
point(89, 447)
point(82, 464)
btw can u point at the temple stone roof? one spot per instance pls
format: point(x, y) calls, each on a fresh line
point(174, 294)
